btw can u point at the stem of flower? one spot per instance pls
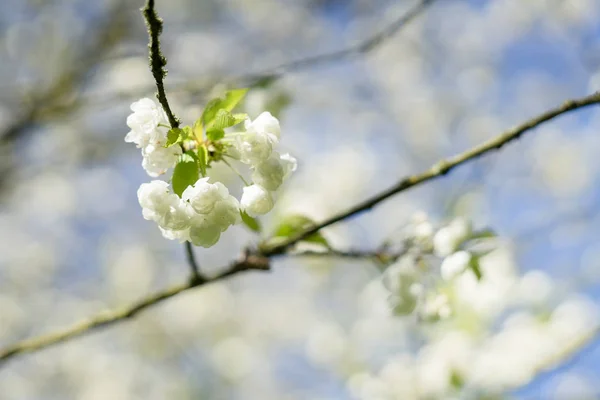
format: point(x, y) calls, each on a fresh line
point(236, 171)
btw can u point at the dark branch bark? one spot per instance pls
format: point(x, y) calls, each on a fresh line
point(158, 62)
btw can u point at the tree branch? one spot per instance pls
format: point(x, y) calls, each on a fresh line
point(260, 260)
point(191, 259)
point(109, 317)
point(273, 73)
point(249, 262)
point(443, 167)
point(59, 97)
point(363, 47)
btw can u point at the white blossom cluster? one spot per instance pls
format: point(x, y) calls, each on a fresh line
point(149, 126)
point(256, 148)
point(205, 209)
point(204, 212)
point(503, 332)
point(431, 259)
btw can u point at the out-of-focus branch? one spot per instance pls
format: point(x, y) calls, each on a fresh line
point(108, 34)
point(365, 46)
point(259, 260)
point(58, 98)
point(273, 73)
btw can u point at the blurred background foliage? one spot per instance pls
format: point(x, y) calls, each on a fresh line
point(73, 242)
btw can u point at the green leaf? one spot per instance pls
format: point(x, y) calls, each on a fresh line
point(250, 222)
point(198, 129)
point(232, 98)
point(239, 117)
point(225, 119)
point(210, 111)
point(202, 159)
point(475, 267)
point(185, 173)
point(175, 135)
point(456, 380)
point(215, 134)
point(294, 224)
point(483, 234)
point(188, 133)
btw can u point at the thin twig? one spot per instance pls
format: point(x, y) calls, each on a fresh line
point(442, 168)
point(158, 62)
point(328, 253)
point(260, 260)
point(274, 73)
point(191, 260)
point(358, 49)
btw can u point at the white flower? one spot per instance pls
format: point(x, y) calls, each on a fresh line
point(214, 210)
point(256, 200)
point(455, 264)
point(213, 201)
point(157, 159)
point(177, 216)
point(226, 213)
point(144, 123)
point(448, 238)
point(182, 235)
point(163, 207)
point(271, 173)
point(153, 195)
point(264, 124)
point(256, 144)
point(289, 164)
point(203, 195)
point(423, 231)
point(204, 232)
point(252, 148)
point(402, 280)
